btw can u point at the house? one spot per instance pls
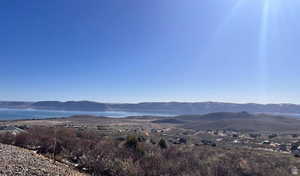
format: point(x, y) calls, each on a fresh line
point(296, 153)
point(266, 142)
point(294, 171)
point(236, 141)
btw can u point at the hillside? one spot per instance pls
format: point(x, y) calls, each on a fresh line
point(127, 154)
point(15, 161)
point(237, 121)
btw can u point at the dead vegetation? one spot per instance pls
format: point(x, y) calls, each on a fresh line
point(137, 155)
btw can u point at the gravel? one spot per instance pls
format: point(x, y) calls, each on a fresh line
point(15, 161)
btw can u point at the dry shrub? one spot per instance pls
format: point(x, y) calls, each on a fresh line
point(7, 138)
point(133, 157)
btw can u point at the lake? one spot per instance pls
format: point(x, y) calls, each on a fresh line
point(14, 114)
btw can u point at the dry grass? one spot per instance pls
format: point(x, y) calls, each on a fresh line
point(136, 156)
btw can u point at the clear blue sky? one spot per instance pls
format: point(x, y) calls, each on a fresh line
point(156, 50)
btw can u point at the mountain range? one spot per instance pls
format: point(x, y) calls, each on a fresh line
point(176, 108)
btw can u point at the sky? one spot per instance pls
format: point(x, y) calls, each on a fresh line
point(160, 50)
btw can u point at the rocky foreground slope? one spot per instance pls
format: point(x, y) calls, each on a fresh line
point(16, 161)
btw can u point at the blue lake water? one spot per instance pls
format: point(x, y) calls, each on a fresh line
point(13, 114)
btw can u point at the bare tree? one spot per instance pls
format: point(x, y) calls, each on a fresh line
point(54, 145)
